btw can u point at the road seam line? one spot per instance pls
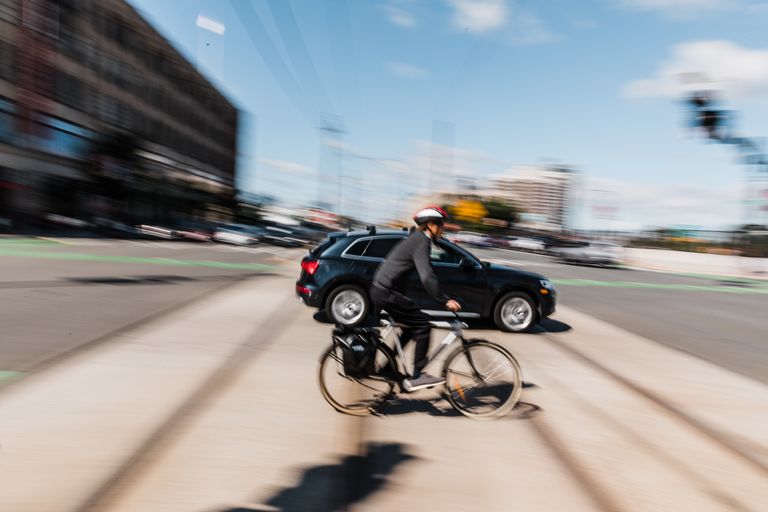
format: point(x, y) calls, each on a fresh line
point(114, 335)
point(202, 398)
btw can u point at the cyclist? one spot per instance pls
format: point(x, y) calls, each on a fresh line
point(388, 289)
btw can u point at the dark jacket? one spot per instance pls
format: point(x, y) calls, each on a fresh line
point(411, 253)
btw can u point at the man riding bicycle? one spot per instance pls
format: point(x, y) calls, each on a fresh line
point(388, 289)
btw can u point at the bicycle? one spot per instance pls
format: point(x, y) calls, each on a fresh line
point(483, 380)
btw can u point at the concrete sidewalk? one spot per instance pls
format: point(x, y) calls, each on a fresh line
point(614, 422)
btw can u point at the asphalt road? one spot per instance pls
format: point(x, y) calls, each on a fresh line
point(55, 297)
point(718, 319)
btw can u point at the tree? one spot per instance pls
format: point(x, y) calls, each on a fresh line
point(483, 215)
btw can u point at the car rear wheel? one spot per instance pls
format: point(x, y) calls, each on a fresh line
point(348, 305)
point(515, 312)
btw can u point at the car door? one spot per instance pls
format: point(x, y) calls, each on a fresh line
point(369, 252)
point(466, 282)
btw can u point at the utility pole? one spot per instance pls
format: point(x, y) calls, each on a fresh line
point(441, 156)
point(331, 145)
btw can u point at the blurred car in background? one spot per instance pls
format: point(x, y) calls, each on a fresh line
point(589, 252)
point(471, 239)
point(500, 242)
point(238, 234)
point(284, 236)
point(64, 221)
point(155, 231)
point(243, 234)
point(193, 231)
point(113, 229)
point(526, 244)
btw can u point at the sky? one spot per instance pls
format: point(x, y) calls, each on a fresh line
point(396, 96)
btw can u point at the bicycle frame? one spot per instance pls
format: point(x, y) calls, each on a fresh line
point(456, 332)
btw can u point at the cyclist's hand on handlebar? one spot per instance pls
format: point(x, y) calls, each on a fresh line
point(452, 305)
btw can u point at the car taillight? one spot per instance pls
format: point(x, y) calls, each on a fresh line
point(310, 267)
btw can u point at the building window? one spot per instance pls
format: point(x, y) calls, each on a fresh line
point(7, 61)
point(70, 91)
point(41, 16)
point(63, 138)
point(109, 109)
point(9, 11)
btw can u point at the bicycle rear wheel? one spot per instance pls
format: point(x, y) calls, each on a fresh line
point(483, 380)
point(350, 395)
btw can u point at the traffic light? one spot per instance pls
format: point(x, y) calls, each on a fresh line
point(706, 117)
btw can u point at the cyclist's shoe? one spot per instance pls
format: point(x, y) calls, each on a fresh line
point(423, 381)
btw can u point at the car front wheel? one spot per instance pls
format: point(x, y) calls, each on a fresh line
point(515, 312)
point(347, 305)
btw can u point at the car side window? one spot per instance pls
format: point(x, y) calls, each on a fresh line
point(381, 247)
point(357, 248)
point(442, 254)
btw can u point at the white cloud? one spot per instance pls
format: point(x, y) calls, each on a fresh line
point(286, 166)
point(210, 24)
point(737, 71)
point(479, 15)
point(406, 70)
point(400, 14)
point(518, 26)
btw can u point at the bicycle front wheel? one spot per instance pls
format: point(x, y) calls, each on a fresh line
point(351, 395)
point(483, 380)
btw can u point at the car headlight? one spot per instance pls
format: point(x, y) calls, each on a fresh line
point(547, 284)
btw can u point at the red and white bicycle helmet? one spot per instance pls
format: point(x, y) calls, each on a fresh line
point(433, 213)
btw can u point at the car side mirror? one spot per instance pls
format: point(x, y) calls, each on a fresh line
point(466, 266)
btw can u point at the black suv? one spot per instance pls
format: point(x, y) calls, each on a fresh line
point(336, 275)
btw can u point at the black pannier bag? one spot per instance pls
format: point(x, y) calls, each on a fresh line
point(358, 349)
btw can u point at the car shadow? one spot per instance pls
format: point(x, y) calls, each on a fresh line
point(550, 325)
point(158, 279)
point(321, 317)
point(604, 266)
point(339, 486)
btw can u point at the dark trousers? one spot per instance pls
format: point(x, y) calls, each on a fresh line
point(404, 311)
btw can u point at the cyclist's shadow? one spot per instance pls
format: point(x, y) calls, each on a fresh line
point(438, 406)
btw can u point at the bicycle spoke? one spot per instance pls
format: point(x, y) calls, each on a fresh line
point(457, 372)
point(353, 395)
point(487, 383)
point(498, 367)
